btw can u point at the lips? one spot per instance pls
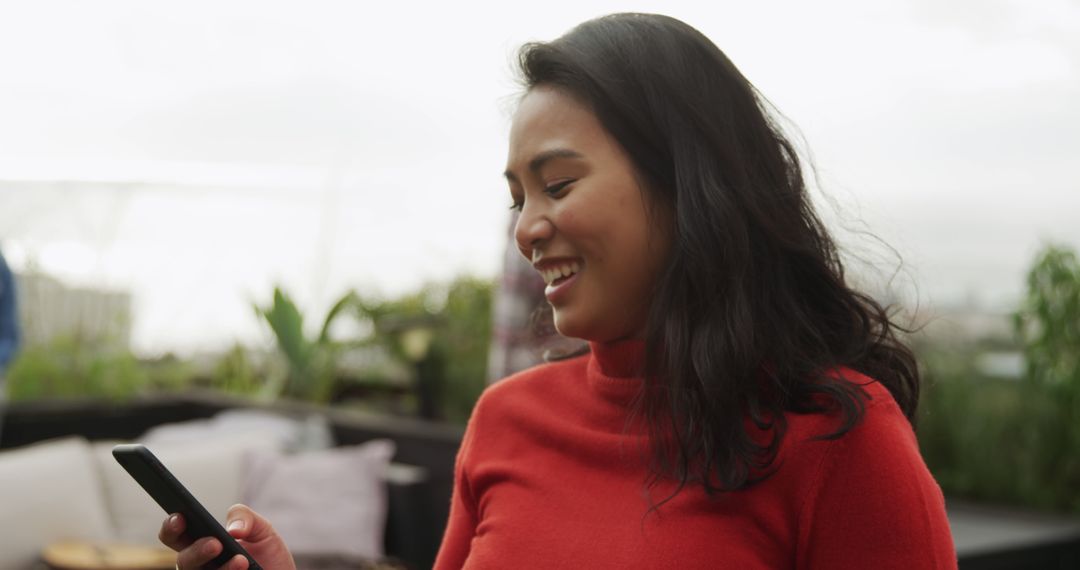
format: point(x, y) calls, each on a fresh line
point(560, 274)
point(557, 273)
point(557, 292)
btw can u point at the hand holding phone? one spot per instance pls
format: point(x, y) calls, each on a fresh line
point(173, 497)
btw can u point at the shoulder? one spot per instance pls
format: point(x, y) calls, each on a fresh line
point(879, 451)
point(879, 413)
point(882, 442)
point(870, 495)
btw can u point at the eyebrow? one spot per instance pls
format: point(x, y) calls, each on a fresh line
point(539, 160)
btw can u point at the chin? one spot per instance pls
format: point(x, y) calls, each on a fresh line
point(583, 329)
point(570, 327)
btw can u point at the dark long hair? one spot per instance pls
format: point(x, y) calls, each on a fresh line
point(751, 317)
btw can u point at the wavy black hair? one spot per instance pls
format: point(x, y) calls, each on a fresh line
point(751, 317)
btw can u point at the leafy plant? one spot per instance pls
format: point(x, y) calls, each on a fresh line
point(68, 367)
point(311, 362)
point(465, 340)
point(966, 417)
point(1048, 325)
point(1006, 440)
point(459, 316)
point(456, 314)
point(1049, 321)
point(235, 372)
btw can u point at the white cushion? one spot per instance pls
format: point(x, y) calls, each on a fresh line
point(211, 469)
point(330, 502)
point(48, 492)
point(293, 435)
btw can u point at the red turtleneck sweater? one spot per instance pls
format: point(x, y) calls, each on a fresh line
point(547, 478)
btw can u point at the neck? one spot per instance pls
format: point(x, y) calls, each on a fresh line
point(620, 358)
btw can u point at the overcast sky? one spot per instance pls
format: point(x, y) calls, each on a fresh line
point(196, 153)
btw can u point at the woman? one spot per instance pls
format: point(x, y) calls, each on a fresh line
point(739, 406)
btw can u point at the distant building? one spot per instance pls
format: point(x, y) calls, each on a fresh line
point(1008, 365)
point(48, 309)
point(964, 324)
point(985, 335)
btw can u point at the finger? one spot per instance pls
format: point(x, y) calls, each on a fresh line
point(244, 523)
point(237, 562)
point(172, 533)
point(199, 553)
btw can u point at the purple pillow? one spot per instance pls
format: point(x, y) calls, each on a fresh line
point(327, 502)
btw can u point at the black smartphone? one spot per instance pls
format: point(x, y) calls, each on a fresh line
point(172, 496)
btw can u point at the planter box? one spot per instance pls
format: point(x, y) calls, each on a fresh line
point(1000, 538)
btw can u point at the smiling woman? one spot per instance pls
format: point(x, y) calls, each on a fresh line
point(740, 405)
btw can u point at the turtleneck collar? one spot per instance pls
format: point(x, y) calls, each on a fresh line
point(615, 369)
point(619, 359)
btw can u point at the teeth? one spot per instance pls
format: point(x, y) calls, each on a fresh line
point(552, 273)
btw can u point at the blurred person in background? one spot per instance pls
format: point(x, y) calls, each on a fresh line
point(522, 333)
point(9, 329)
point(740, 405)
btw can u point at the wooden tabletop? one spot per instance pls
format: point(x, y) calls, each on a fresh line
point(82, 555)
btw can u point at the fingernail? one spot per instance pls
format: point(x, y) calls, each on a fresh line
point(235, 524)
point(174, 521)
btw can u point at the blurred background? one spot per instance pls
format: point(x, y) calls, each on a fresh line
point(305, 200)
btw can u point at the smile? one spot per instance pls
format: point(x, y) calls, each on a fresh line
point(560, 272)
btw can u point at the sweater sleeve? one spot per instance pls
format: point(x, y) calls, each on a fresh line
point(873, 503)
point(461, 527)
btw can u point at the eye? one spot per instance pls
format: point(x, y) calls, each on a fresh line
point(558, 187)
point(552, 191)
point(518, 202)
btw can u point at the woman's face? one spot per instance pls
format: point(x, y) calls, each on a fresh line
point(585, 224)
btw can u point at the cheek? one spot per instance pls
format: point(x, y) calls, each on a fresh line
point(590, 233)
point(570, 219)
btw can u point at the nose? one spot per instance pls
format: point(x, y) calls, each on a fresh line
point(532, 229)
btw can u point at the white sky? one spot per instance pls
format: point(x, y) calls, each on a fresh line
point(196, 153)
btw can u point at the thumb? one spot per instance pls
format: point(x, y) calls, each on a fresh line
point(245, 524)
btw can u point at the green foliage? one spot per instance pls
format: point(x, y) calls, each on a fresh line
point(235, 373)
point(460, 316)
point(1049, 322)
point(1048, 325)
point(967, 427)
point(311, 362)
point(466, 339)
point(1005, 440)
point(168, 373)
point(68, 367)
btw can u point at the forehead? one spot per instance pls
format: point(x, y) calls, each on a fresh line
point(547, 118)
